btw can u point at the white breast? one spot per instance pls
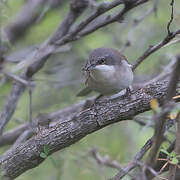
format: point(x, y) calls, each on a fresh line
point(109, 80)
point(103, 73)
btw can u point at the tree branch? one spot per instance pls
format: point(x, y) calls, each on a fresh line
point(11, 136)
point(172, 168)
point(160, 118)
point(38, 58)
point(172, 16)
point(156, 47)
point(133, 164)
point(41, 55)
point(73, 127)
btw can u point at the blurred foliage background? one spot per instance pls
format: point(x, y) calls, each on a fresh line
point(60, 80)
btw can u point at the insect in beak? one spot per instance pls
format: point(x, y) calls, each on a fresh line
point(89, 67)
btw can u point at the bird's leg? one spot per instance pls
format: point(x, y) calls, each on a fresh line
point(128, 91)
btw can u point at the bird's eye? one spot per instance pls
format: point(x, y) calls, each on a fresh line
point(102, 61)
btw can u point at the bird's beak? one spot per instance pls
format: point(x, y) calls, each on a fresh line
point(90, 67)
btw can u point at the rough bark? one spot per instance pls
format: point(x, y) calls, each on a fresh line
point(71, 128)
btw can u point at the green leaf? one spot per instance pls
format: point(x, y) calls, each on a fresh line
point(164, 151)
point(174, 161)
point(173, 154)
point(43, 155)
point(46, 149)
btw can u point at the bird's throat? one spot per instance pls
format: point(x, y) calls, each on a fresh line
point(103, 73)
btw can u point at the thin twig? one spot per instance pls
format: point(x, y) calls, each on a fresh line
point(166, 72)
point(106, 161)
point(30, 107)
point(172, 168)
point(136, 22)
point(169, 123)
point(82, 30)
point(161, 44)
point(39, 58)
point(147, 167)
point(160, 118)
point(10, 136)
point(172, 16)
point(16, 78)
point(154, 48)
point(133, 163)
point(149, 143)
point(69, 129)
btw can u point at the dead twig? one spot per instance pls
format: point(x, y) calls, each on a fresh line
point(172, 167)
point(154, 48)
point(133, 163)
point(160, 118)
point(172, 16)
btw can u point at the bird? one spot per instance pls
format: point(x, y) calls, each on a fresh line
point(107, 72)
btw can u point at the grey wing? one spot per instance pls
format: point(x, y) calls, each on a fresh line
point(84, 92)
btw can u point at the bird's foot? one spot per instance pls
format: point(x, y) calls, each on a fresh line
point(128, 92)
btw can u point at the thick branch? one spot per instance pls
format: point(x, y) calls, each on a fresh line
point(40, 57)
point(11, 136)
point(71, 129)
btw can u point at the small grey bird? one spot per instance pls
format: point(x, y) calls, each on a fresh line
point(107, 72)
